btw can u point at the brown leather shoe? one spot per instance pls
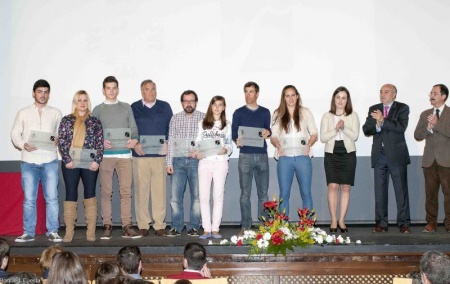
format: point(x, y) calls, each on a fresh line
point(161, 232)
point(107, 232)
point(405, 230)
point(129, 233)
point(430, 227)
point(379, 229)
point(143, 232)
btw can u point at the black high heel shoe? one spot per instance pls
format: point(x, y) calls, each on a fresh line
point(333, 230)
point(343, 230)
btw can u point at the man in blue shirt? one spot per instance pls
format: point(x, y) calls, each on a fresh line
point(253, 161)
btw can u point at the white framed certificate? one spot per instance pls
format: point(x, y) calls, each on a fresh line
point(294, 146)
point(42, 140)
point(82, 158)
point(182, 147)
point(118, 137)
point(208, 147)
point(153, 144)
point(251, 136)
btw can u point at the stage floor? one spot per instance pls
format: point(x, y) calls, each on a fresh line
point(389, 242)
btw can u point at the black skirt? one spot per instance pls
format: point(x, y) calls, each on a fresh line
point(340, 166)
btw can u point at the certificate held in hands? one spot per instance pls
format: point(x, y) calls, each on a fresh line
point(153, 144)
point(251, 136)
point(208, 147)
point(42, 140)
point(118, 137)
point(82, 158)
point(293, 146)
point(182, 147)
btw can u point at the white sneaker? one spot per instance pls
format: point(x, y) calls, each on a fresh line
point(54, 237)
point(24, 238)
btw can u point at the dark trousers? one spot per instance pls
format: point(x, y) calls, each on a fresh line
point(400, 181)
point(436, 176)
point(72, 179)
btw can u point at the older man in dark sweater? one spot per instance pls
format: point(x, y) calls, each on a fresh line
point(149, 170)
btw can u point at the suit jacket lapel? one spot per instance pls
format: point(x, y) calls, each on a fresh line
point(392, 109)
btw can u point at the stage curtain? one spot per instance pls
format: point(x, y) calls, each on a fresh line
point(11, 208)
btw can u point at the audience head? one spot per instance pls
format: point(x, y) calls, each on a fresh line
point(47, 255)
point(194, 256)
point(66, 268)
point(22, 278)
point(183, 281)
point(4, 253)
point(109, 273)
point(435, 268)
point(129, 259)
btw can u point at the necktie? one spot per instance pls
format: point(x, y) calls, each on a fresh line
point(386, 111)
point(437, 113)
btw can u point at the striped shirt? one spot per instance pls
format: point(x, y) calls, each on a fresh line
point(183, 126)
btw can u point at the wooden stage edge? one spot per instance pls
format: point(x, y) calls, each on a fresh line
point(379, 258)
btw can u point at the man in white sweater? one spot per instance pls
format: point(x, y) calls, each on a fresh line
point(38, 164)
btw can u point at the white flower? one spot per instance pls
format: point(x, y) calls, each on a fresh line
point(234, 239)
point(249, 234)
point(329, 239)
point(358, 242)
point(340, 239)
point(319, 239)
point(267, 236)
point(210, 242)
point(347, 240)
point(224, 242)
point(263, 243)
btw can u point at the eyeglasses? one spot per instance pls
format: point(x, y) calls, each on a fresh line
point(434, 93)
point(189, 102)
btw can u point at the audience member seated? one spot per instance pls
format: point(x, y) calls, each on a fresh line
point(435, 268)
point(46, 258)
point(183, 281)
point(129, 259)
point(22, 278)
point(110, 273)
point(66, 268)
point(194, 263)
point(4, 258)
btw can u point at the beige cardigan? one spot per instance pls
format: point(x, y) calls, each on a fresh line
point(350, 132)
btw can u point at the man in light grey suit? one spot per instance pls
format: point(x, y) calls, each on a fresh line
point(434, 127)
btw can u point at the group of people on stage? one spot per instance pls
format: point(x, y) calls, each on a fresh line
point(291, 130)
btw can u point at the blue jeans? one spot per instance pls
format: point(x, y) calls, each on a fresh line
point(302, 167)
point(72, 179)
point(252, 165)
point(32, 174)
point(185, 170)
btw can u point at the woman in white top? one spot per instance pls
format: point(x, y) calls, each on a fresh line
point(293, 134)
point(213, 167)
point(339, 130)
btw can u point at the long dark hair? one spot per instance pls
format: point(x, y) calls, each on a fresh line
point(348, 107)
point(282, 114)
point(208, 122)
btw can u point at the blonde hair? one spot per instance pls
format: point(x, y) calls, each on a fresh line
point(75, 100)
point(48, 254)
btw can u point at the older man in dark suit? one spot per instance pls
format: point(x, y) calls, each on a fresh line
point(434, 127)
point(387, 123)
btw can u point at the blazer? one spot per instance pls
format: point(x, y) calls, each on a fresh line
point(391, 138)
point(437, 144)
point(350, 132)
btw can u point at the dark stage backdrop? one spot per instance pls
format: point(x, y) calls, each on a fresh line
point(361, 209)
